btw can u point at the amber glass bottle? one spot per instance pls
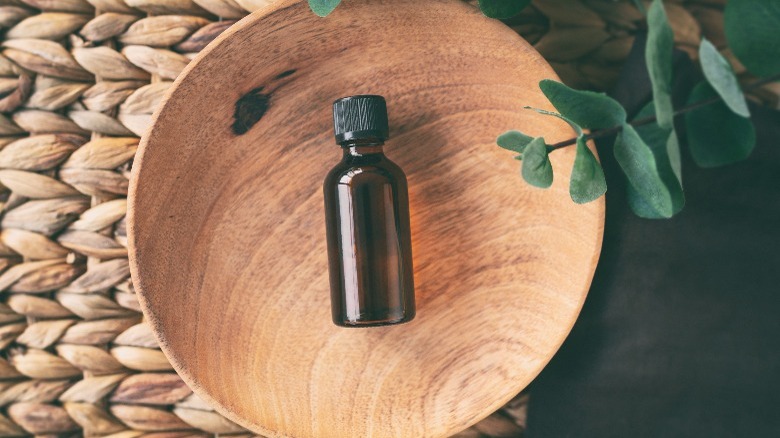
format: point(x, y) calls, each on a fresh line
point(367, 218)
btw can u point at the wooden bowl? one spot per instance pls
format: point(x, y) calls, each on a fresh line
point(227, 233)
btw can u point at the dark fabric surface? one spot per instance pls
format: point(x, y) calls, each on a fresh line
point(680, 334)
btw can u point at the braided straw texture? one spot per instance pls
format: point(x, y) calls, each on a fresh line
point(79, 80)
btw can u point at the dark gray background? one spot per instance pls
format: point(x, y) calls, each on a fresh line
point(679, 336)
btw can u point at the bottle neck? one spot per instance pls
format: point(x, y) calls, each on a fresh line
point(362, 148)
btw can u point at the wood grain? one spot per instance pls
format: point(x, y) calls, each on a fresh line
point(227, 233)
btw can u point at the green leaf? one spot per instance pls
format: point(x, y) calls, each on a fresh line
point(323, 7)
point(587, 177)
point(639, 206)
point(663, 142)
point(720, 75)
point(752, 28)
point(577, 129)
point(585, 108)
point(658, 56)
point(514, 141)
point(537, 169)
point(640, 6)
point(673, 151)
point(717, 136)
point(638, 163)
point(502, 8)
point(666, 151)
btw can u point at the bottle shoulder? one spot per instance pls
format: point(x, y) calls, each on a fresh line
point(382, 171)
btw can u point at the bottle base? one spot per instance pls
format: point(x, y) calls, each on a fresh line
point(374, 322)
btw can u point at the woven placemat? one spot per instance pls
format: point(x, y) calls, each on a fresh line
point(79, 80)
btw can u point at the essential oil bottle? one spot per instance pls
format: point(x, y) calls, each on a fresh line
point(367, 219)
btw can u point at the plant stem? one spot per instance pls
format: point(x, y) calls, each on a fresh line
point(646, 120)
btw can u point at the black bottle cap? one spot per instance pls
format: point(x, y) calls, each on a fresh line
point(362, 117)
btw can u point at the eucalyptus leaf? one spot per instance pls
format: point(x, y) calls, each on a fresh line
point(666, 150)
point(502, 8)
point(639, 5)
point(537, 169)
point(587, 179)
point(587, 176)
point(658, 56)
point(586, 108)
point(675, 158)
point(638, 163)
point(577, 128)
point(663, 142)
point(721, 76)
point(717, 136)
point(752, 28)
point(639, 206)
point(514, 141)
point(323, 7)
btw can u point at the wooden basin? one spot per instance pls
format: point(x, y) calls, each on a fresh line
point(227, 228)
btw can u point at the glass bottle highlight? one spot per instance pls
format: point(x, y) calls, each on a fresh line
point(367, 220)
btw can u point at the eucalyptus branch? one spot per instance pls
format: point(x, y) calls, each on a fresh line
point(647, 120)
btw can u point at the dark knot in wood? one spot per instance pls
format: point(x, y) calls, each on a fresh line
point(250, 108)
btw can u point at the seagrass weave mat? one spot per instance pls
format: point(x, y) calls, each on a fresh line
point(79, 80)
